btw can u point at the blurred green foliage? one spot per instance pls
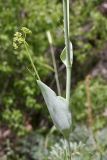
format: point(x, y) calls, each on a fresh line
point(87, 31)
point(14, 119)
point(18, 89)
point(98, 93)
point(19, 96)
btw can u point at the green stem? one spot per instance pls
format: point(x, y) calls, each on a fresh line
point(67, 43)
point(68, 66)
point(30, 58)
point(54, 62)
point(69, 149)
point(68, 84)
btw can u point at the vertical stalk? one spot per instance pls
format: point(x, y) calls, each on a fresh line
point(67, 44)
point(90, 116)
point(89, 102)
point(69, 149)
point(54, 62)
point(68, 66)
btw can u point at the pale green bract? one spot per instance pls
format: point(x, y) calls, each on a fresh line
point(63, 55)
point(58, 109)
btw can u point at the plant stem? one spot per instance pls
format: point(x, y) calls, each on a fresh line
point(28, 54)
point(68, 66)
point(54, 62)
point(67, 43)
point(69, 148)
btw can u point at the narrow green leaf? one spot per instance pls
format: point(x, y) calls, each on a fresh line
point(63, 55)
point(58, 109)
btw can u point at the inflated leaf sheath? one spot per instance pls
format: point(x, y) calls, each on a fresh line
point(63, 55)
point(58, 109)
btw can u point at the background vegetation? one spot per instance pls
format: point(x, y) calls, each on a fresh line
point(24, 119)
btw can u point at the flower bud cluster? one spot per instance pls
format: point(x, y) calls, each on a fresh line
point(19, 37)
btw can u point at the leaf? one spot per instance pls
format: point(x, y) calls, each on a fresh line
point(63, 55)
point(58, 109)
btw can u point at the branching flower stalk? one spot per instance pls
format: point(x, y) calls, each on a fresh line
point(30, 58)
point(20, 39)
